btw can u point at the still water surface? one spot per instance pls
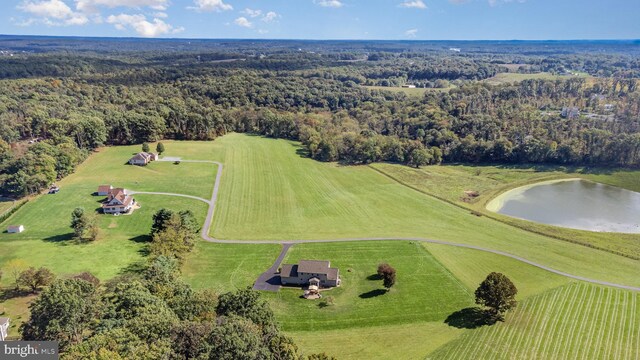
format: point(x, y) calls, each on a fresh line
point(576, 204)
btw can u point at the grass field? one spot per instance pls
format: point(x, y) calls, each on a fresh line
point(504, 78)
point(411, 92)
point(226, 267)
point(47, 238)
point(450, 183)
point(577, 321)
point(270, 191)
point(5, 205)
point(425, 291)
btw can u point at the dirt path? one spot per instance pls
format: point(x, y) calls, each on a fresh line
point(288, 243)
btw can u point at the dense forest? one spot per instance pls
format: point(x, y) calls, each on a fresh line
point(57, 105)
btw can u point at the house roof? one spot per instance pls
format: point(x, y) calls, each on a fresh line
point(141, 157)
point(289, 270)
point(4, 321)
point(332, 274)
point(314, 266)
point(123, 200)
point(104, 188)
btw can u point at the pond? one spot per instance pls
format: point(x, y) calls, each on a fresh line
point(573, 203)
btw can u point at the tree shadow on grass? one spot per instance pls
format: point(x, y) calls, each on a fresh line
point(62, 239)
point(141, 239)
point(470, 318)
point(372, 293)
point(12, 293)
point(373, 277)
point(134, 268)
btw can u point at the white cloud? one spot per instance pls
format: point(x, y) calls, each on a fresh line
point(329, 3)
point(242, 21)
point(263, 31)
point(210, 5)
point(417, 4)
point(141, 26)
point(252, 13)
point(411, 33)
point(93, 5)
point(270, 16)
point(496, 2)
point(52, 12)
point(160, 14)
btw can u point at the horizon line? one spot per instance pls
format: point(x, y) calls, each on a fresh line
point(318, 39)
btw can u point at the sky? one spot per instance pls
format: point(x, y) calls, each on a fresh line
point(326, 19)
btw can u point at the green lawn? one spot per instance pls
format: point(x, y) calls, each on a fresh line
point(270, 191)
point(425, 291)
point(47, 238)
point(577, 321)
point(407, 341)
point(227, 267)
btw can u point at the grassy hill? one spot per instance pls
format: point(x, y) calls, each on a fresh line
point(270, 190)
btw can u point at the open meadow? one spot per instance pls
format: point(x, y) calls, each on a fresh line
point(270, 191)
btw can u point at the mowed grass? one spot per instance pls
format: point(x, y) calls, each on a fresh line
point(270, 190)
point(47, 240)
point(408, 341)
point(449, 182)
point(5, 205)
point(227, 267)
point(425, 291)
point(576, 321)
point(471, 267)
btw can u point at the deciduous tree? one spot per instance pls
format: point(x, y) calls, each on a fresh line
point(497, 293)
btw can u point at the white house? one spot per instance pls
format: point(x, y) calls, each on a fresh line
point(13, 229)
point(4, 328)
point(118, 202)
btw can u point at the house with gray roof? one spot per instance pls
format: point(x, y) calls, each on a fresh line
point(310, 272)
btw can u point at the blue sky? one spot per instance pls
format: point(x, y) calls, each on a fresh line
point(326, 19)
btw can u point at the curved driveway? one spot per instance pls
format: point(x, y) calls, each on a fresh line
point(288, 243)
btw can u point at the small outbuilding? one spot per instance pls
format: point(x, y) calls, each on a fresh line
point(14, 229)
point(104, 190)
point(4, 328)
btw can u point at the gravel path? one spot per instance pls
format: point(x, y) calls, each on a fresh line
point(267, 275)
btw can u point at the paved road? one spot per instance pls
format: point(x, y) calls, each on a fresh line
point(288, 243)
point(270, 279)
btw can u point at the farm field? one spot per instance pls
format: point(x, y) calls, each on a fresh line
point(504, 78)
point(271, 192)
point(576, 321)
point(450, 183)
